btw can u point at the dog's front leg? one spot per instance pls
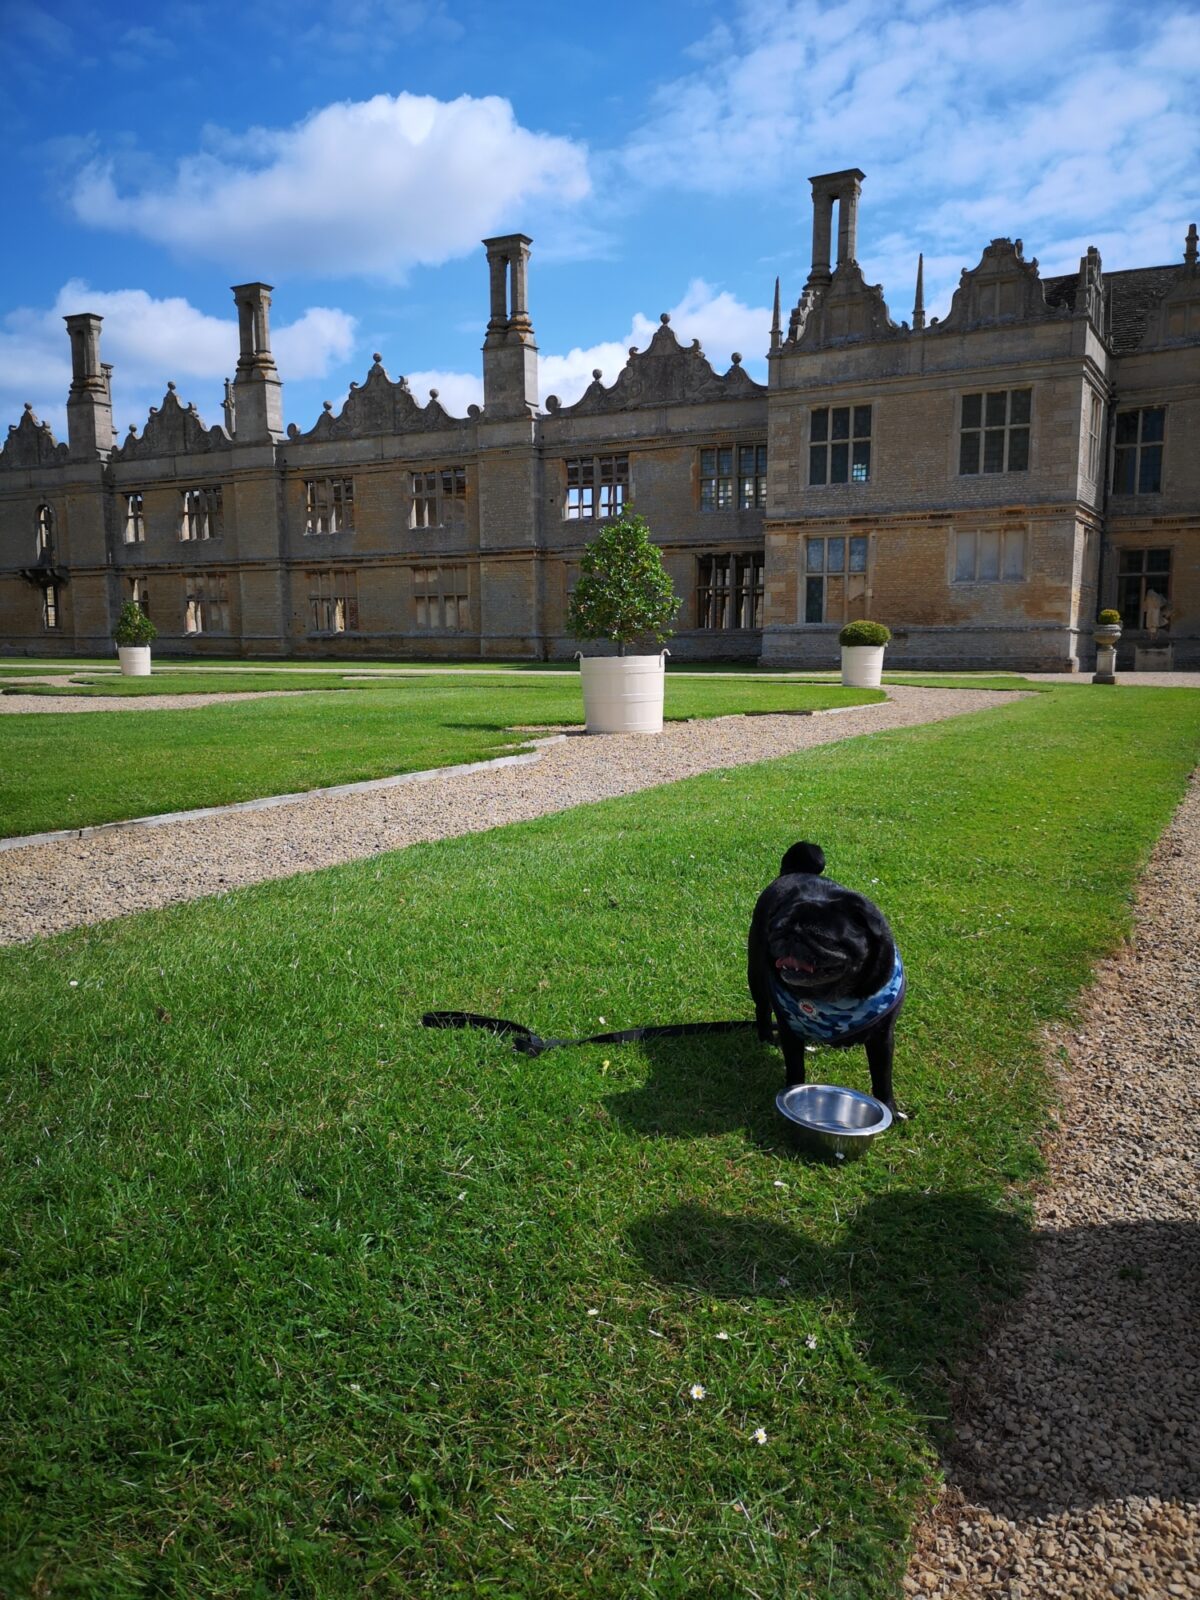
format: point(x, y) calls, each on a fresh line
point(880, 1050)
point(792, 1046)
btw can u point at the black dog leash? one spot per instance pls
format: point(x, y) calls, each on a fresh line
point(528, 1043)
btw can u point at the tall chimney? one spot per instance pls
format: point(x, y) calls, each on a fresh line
point(510, 380)
point(844, 187)
point(257, 391)
point(89, 403)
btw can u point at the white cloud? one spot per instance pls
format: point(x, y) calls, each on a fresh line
point(371, 187)
point(149, 342)
point(970, 120)
point(456, 390)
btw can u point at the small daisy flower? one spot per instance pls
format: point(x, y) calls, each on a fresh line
point(74, 983)
point(601, 1021)
point(760, 1436)
point(810, 1341)
point(779, 1183)
point(593, 1311)
point(356, 1388)
point(722, 1335)
point(697, 1391)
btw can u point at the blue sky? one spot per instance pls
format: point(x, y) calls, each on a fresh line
point(353, 152)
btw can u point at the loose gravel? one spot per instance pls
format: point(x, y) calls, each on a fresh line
point(1075, 1469)
point(42, 703)
point(49, 887)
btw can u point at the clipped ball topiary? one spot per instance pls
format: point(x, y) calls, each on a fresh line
point(133, 626)
point(1109, 618)
point(864, 633)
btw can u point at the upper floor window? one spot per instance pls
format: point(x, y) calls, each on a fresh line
point(835, 578)
point(328, 505)
point(1095, 432)
point(995, 431)
point(839, 449)
point(729, 591)
point(1137, 462)
point(332, 602)
point(721, 488)
point(200, 514)
point(206, 602)
point(1144, 588)
point(140, 594)
point(597, 486)
point(135, 519)
point(438, 497)
point(989, 555)
point(442, 599)
point(51, 614)
point(43, 532)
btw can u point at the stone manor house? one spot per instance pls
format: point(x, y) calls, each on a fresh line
point(981, 483)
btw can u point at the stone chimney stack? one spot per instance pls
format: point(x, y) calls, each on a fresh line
point(257, 391)
point(828, 187)
point(510, 380)
point(89, 403)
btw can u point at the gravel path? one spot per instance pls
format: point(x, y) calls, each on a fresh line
point(41, 703)
point(1076, 1463)
point(46, 888)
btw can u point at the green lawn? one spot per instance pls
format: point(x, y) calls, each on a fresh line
point(300, 1299)
point(109, 685)
point(74, 770)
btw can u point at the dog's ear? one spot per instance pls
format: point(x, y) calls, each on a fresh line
point(803, 857)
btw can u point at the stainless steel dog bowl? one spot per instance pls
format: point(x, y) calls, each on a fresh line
point(832, 1121)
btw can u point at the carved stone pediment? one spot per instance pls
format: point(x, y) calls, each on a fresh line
point(30, 443)
point(378, 406)
point(171, 429)
point(666, 373)
point(1177, 321)
point(849, 311)
point(1004, 287)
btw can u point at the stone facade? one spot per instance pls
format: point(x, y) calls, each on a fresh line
point(982, 484)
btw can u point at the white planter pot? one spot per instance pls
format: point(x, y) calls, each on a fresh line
point(135, 660)
point(862, 665)
point(623, 694)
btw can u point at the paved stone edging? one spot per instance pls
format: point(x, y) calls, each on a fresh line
point(67, 883)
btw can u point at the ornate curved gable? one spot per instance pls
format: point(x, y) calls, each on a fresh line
point(1004, 287)
point(1177, 320)
point(666, 373)
point(850, 311)
point(379, 406)
point(30, 443)
point(171, 429)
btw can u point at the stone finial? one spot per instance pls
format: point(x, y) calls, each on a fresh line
point(1189, 249)
point(377, 358)
point(775, 327)
point(918, 318)
point(597, 373)
point(433, 394)
point(664, 317)
point(736, 358)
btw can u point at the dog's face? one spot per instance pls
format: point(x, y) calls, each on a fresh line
point(819, 939)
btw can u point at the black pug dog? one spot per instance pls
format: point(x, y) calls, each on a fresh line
point(823, 959)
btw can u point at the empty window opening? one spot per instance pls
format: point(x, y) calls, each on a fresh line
point(729, 591)
point(328, 505)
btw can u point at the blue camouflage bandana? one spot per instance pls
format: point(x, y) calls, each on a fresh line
point(838, 1022)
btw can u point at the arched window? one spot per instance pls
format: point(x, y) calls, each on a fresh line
point(44, 532)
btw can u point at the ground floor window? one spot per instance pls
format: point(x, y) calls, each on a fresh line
point(989, 555)
point(140, 594)
point(206, 603)
point(442, 598)
point(332, 602)
point(729, 591)
point(835, 578)
point(51, 613)
point(1144, 588)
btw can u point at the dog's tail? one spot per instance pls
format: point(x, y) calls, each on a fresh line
point(803, 857)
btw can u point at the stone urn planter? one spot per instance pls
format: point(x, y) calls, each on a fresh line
point(863, 644)
point(624, 594)
point(133, 636)
point(1107, 635)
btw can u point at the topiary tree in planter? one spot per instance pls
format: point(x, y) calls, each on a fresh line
point(133, 636)
point(624, 593)
point(862, 653)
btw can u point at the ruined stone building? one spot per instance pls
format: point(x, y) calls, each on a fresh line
point(981, 483)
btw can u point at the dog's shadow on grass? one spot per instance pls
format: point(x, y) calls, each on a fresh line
point(924, 1275)
point(705, 1085)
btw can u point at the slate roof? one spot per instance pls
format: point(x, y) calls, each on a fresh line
point(1131, 298)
